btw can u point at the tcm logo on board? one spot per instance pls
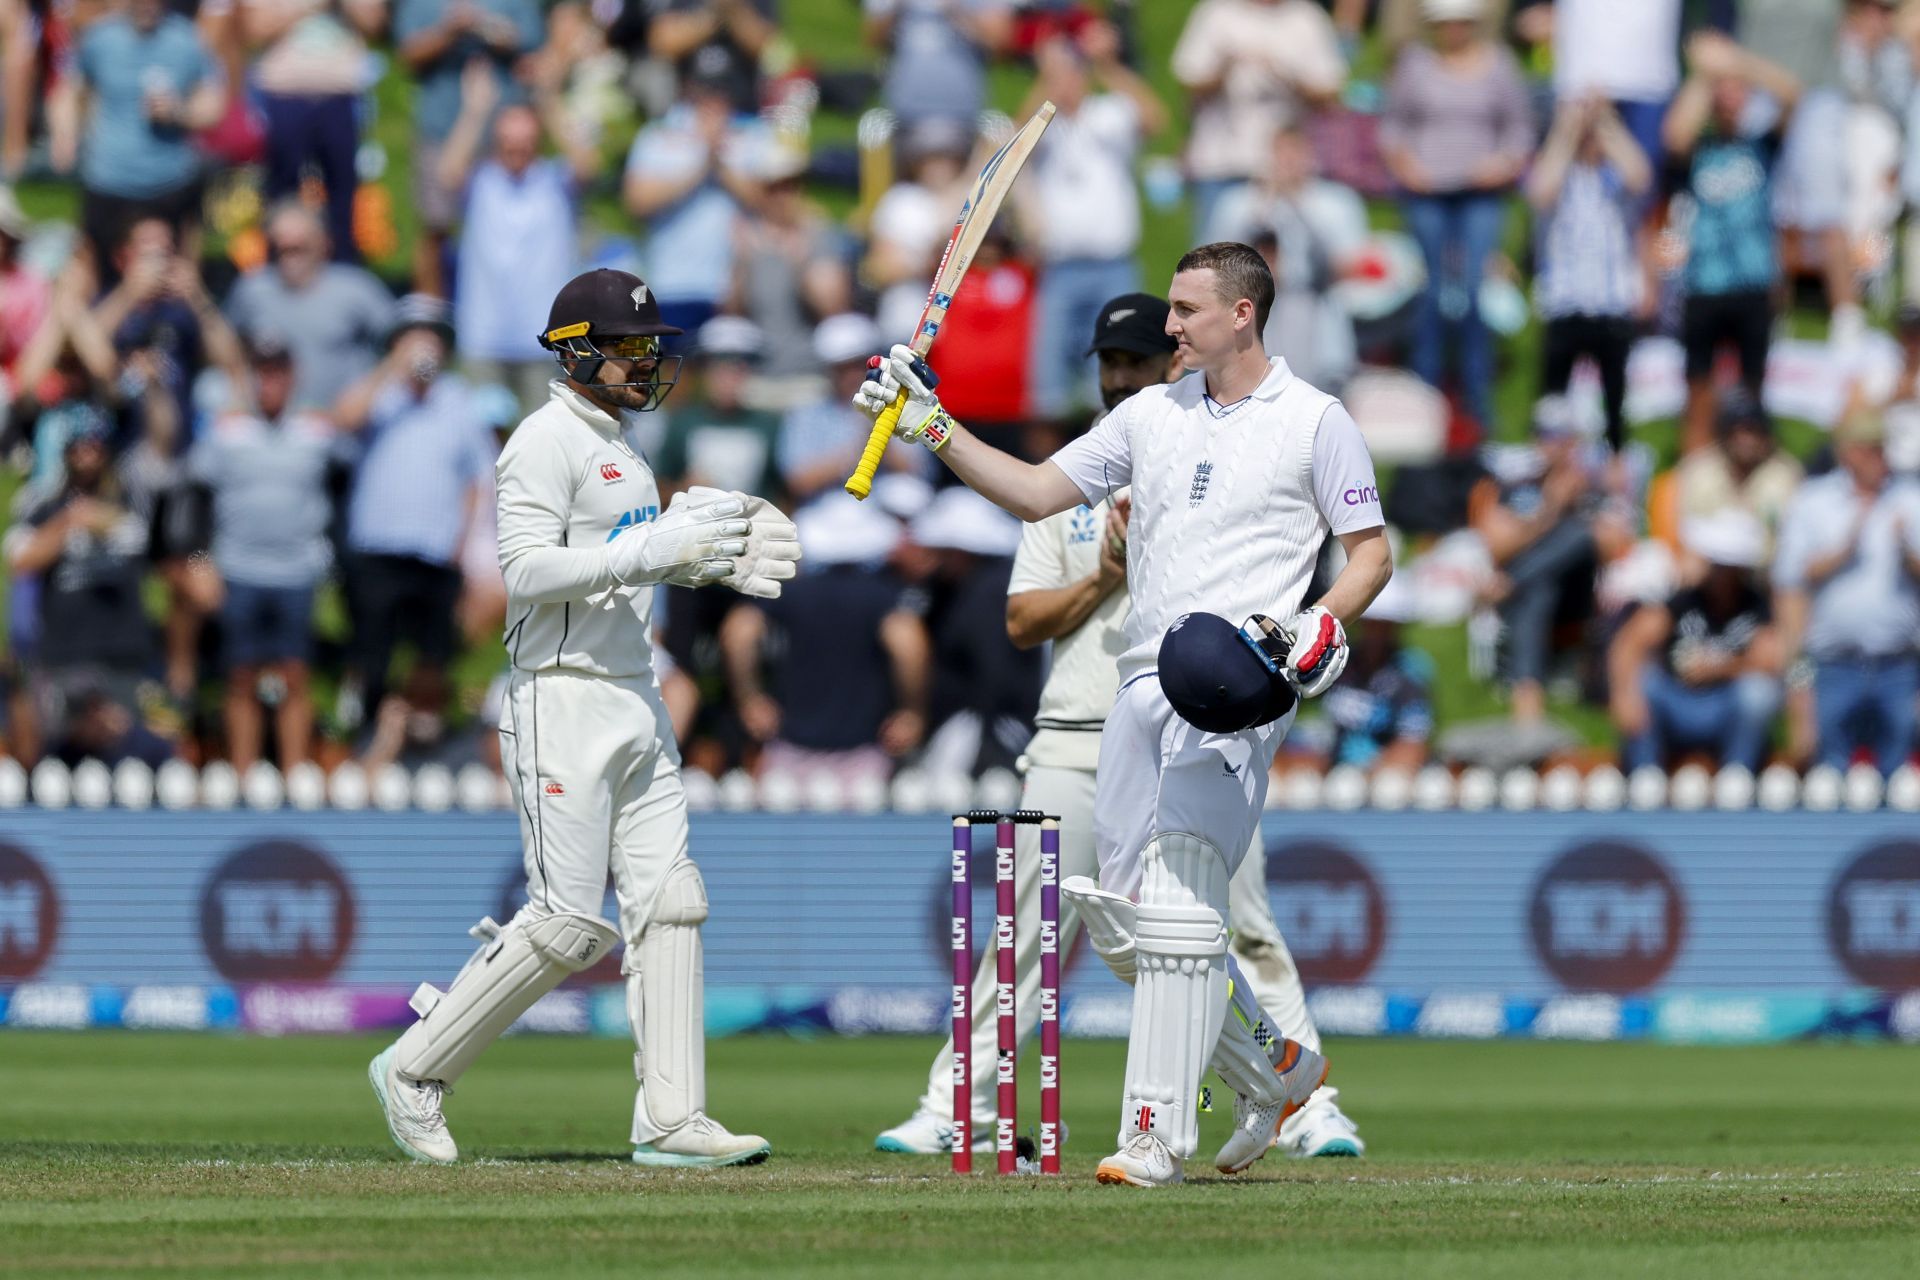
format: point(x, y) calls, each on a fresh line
point(1873, 916)
point(1329, 909)
point(277, 911)
point(29, 914)
point(1607, 917)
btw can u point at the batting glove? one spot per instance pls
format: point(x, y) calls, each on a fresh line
point(695, 541)
point(1319, 651)
point(773, 551)
point(921, 420)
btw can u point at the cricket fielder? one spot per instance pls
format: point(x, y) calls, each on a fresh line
point(1069, 586)
point(1237, 477)
point(586, 740)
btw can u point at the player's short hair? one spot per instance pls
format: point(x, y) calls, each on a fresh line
point(1239, 272)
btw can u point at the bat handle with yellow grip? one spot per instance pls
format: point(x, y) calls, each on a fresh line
point(860, 484)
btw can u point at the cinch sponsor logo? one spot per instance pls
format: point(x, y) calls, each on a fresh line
point(1361, 497)
point(277, 911)
point(1873, 916)
point(639, 515)
point(609, 472)
point(29, 914)
point(1329, 908)
point(1607, 917)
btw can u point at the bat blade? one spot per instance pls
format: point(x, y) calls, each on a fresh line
point(976, 215)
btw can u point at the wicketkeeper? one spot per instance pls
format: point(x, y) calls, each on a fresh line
point(1069, 586)
point(585, 738)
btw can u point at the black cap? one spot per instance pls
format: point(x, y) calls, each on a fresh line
point(1739, 409)
point(422, 311)
point(611, 304)
point(1134, 322)
point(1907, 318)
point(268, 346)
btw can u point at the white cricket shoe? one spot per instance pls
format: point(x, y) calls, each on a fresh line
point(1320, 1128)
point(701, 1143)
point(412, 1109)
point(925, 1134)
point(1145, 1161)
point(1301, 1071)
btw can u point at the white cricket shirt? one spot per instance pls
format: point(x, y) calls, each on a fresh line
point(1230, 503)
point(1057, 552)
point(568, 486)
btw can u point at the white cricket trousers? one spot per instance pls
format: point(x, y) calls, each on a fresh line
point(596, 776)
point(1265, 961)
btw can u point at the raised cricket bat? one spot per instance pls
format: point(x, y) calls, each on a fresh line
point(969, 229)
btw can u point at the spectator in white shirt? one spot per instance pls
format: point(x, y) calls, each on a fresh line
point(911, 222)
point(1249, 65)
point(1847, 582)
point(1318, 230)
point(1085, 207)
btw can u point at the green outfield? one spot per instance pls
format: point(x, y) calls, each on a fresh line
point(201, 1155)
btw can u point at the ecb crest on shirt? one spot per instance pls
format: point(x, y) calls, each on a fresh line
point(1081, 525)
point(1202, 477)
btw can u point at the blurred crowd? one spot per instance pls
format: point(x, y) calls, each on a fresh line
point(256, 367)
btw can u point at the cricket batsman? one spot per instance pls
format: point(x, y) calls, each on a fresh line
point(585, 738)
point(1069, 586)
point(1237, 477)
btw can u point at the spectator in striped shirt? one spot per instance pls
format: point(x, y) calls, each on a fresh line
point(1586, 188)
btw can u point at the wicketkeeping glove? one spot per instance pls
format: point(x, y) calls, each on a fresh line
point(773, 551)
point(1319, 651)
point(695, 541)
point(922, 419)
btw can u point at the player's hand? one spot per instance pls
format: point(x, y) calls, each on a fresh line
point(772, 555)
point(760, 717)
point(695, 541)
point(1319, 651)
point(902, 731)
point(922, 419)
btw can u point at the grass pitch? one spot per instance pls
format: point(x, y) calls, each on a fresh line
point(208, 1156)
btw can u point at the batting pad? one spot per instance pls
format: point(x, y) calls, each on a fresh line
point(513, 968)
point(1241, 1056)
point(1109, 921)
point(1180, 993)
point(664, 1006)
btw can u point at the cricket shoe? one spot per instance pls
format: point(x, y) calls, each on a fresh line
point(412, 1109)
point(701, 1143)
point(1318, 1129)
point(1255, 1124)
point(925, 1134)
point(1145, 1161)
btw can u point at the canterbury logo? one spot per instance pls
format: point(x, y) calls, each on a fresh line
point(609, 472)
point(555, 789)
